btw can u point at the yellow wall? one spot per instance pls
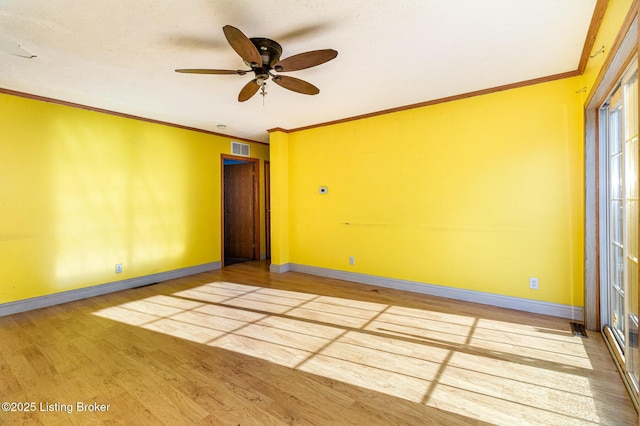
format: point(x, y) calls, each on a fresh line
point(81, 191)
point(478, 194)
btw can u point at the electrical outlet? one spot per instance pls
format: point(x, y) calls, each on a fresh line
point(118, 268)
point(533, 283)
point(352, 260)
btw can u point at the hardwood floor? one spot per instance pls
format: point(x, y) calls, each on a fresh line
point(241, 346)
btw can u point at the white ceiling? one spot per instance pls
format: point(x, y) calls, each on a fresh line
point(121, 55)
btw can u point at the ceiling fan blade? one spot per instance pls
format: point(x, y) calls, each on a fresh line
point(242, 45)
point(249, 89)
point(296, 85)
point(305, 60)
point(205, 71)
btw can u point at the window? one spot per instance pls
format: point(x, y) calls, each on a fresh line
point(619, 224)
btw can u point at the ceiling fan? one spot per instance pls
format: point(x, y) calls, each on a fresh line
point(263, 56)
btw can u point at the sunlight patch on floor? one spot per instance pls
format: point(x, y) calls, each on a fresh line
point(458, 363)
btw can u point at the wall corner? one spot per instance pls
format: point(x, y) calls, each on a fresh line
point(279, 158)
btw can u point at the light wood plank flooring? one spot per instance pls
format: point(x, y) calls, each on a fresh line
point(242, 346)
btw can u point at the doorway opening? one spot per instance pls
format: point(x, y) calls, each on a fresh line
point(240, 209)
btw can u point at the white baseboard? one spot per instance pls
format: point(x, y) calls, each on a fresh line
point(83, 293)
point(279, 269)
point(575, 313)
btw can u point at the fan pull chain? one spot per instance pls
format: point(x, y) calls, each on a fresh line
point(263, 91)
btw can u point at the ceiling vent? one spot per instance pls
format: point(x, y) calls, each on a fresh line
point(238, 148)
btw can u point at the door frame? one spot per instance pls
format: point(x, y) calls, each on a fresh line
point(267, 208)
point(622, 53)
point(255, 202)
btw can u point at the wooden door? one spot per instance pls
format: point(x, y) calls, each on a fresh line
point(239, 217)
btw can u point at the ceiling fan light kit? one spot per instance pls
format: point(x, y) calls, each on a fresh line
point(262, 55)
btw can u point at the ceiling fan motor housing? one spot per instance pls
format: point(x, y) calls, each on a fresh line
point(270, 51)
